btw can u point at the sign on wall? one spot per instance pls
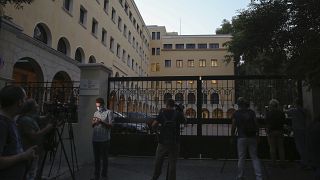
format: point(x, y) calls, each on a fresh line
point(89, 87)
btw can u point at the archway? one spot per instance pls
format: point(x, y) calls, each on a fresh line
point(27, 70)
point(205, 113)
point(62, 87)
point(191, 113)
point(217, 113)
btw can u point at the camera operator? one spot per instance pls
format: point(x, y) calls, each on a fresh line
point(32, 134)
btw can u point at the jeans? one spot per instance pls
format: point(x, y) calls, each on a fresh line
point(275, 139)
point(101, 151)
point(251, 144)
point(173, 153)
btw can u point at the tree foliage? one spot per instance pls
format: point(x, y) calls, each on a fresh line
point(17, 3)
point(278, 37)
point(226, 28)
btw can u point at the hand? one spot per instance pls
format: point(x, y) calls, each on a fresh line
point(30, 153)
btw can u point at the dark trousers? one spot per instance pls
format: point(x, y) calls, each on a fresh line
point(101, 151)
point(173, 153)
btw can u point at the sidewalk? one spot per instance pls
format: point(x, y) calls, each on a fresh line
point(132, 168)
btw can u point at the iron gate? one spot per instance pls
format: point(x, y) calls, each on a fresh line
point(209, 102)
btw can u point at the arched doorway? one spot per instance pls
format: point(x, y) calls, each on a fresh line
point(205, 113)
point(62, 87)
point(191, 113)
point(217, 113)
point(27, 70)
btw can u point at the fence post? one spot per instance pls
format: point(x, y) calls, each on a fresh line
point(199, 106)
point(93, 84)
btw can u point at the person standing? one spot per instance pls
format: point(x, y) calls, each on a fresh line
point(101, 123)
point(244, 122)
point(169, 139)
point(275, 119)
point(13, 160)
point(298, 117)
point(31, 134)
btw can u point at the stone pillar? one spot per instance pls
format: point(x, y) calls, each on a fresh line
point(93, 84)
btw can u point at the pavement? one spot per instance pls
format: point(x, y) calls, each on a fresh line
point(140, 168)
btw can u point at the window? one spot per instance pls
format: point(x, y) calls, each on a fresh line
point(119, 23)
point(153, 51)
point(167, 63)
point(179, 46)
point(202, 63)
point(106, 5)
point(158, 51)
point(94, 28)
point(134, 22)
point(129, 36)
point(79, 55)
point(123, 55)
point(118, 50)
point(167, 46)
point(202, 46)
point(155, 67)
point(132, 64)
point(113, 15)
point(103, 36)
point(190, 63)
point(130, 16)
point(111, 44)
point(126, 7)
point(40, 34)
point(153, 35)
point(214, 46)
point(63, 46)
point(214, 62)
point(133, 41)
point(67, 5)
point(190, 46)
point(83, 16)
point(158, 35)
point(128, 60)
point(125, 30)
point(214, 98)
point(179, 64)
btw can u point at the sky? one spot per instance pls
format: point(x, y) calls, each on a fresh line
point(197, 16)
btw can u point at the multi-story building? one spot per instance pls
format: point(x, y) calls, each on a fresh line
point(193, 55)
point(47, 40)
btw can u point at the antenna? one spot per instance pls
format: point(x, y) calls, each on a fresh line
point(180, 26)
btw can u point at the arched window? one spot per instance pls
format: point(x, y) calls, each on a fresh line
point(179, 98)
point(191, 98)
point(63, 46)
point(92, 59)
point(205, 113)
point(217, 113)
point(204, 98)
point(41, 33)
point(79, 55)
point(191, 113)
point(214, 98)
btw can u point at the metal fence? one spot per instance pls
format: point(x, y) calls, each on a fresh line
point(209, 102)
point(59, 99)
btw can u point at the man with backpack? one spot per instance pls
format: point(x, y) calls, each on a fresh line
point(244, 122)
point(169, 139)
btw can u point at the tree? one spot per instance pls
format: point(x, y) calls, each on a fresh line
point(226, 27)
point(17, 3)
point(278, 37)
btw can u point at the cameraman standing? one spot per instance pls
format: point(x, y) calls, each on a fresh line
point(169, 139)
point(101, 123)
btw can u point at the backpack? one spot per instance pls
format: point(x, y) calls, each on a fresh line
point(168, 130)
point(247, 123)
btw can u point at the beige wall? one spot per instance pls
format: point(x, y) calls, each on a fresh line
point(62, 23)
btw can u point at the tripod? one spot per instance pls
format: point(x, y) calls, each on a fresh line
point(57, 136)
